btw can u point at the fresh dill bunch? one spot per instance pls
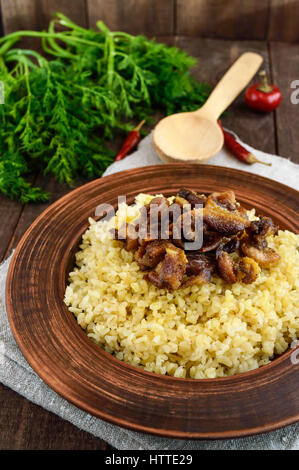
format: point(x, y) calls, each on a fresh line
point(60, 114)
point(12, 183)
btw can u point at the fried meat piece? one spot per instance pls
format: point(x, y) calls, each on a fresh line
point(129, 231)
point(226, 267)
point(191, 197)
point(184, 226)
point(247, 270)
point(263, 256)
point(149, 256)
point(199, 269)
point(150, 222)
point(222, 215)
point(255, 244)
point(260, 229)
point(202, 278)
point(157, 204)
point(228, 244)
point(226, 200)
point(197, 263)
point(187, 228)
point(211, 240)
point(154, 278)
point(169, 273)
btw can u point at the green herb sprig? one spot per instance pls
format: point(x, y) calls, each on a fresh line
point(59, 114)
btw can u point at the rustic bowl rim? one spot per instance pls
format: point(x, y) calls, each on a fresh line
point(118, 421)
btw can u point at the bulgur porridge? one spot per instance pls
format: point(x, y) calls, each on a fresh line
point(230, 308)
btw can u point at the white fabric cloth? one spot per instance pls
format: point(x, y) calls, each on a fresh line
point(17, 374)
point(282, 169)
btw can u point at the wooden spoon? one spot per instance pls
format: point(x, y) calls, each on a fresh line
point(196, 136)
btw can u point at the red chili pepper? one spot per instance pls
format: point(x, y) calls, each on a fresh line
point(238, 150)
point(130, 142)
point(262, 96)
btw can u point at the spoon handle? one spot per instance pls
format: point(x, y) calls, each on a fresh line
point(232, 83)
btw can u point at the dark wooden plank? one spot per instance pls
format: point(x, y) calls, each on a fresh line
point(283, 20)
point(285, 69)
point(168, 40)
point(31, 211)
point(1, 25)
point(35, 14)
point(24, 425)
point(236, 19)
point(152, 18)
point(215, 56)
point(10, 212)
point(20, 14)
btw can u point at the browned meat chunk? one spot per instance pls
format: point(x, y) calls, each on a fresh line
point(264, 256)
point(199, 269)
point(222, 220)
point(226, 267)
point(255, 245)
point(173, 267)
point(230, 245)
point(184, 226)
point(151, 254)
point(181, 201)
point(154, 278)
point(202, 278)
point(140, 252)
point(211, 241)
point(150, 222)
point(131, 240)
point(260, 229)
point(170, 272)
point(192, 197)
point(247, 270)
point(158, 204)
point(197, 263)
point(131, 244)
point(225, 200)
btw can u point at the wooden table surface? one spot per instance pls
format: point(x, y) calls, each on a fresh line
point(24, 425)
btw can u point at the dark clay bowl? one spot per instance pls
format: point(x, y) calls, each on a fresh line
point(71, 364)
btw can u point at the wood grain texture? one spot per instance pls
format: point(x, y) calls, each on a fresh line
point(214, 57)
point(37, 429)
point(31, 211)
point(231, 19)
point(62, 354)
point(285, 69)
point(152, 18)
point(283, 20)
point(253, 129)
point(36, 14)
point(1, 25)
point(10, 212)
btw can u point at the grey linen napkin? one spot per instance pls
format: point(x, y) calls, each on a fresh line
point(16, 373)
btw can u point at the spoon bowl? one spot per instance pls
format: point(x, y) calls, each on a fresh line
point(187, 137)
point(195, 136)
